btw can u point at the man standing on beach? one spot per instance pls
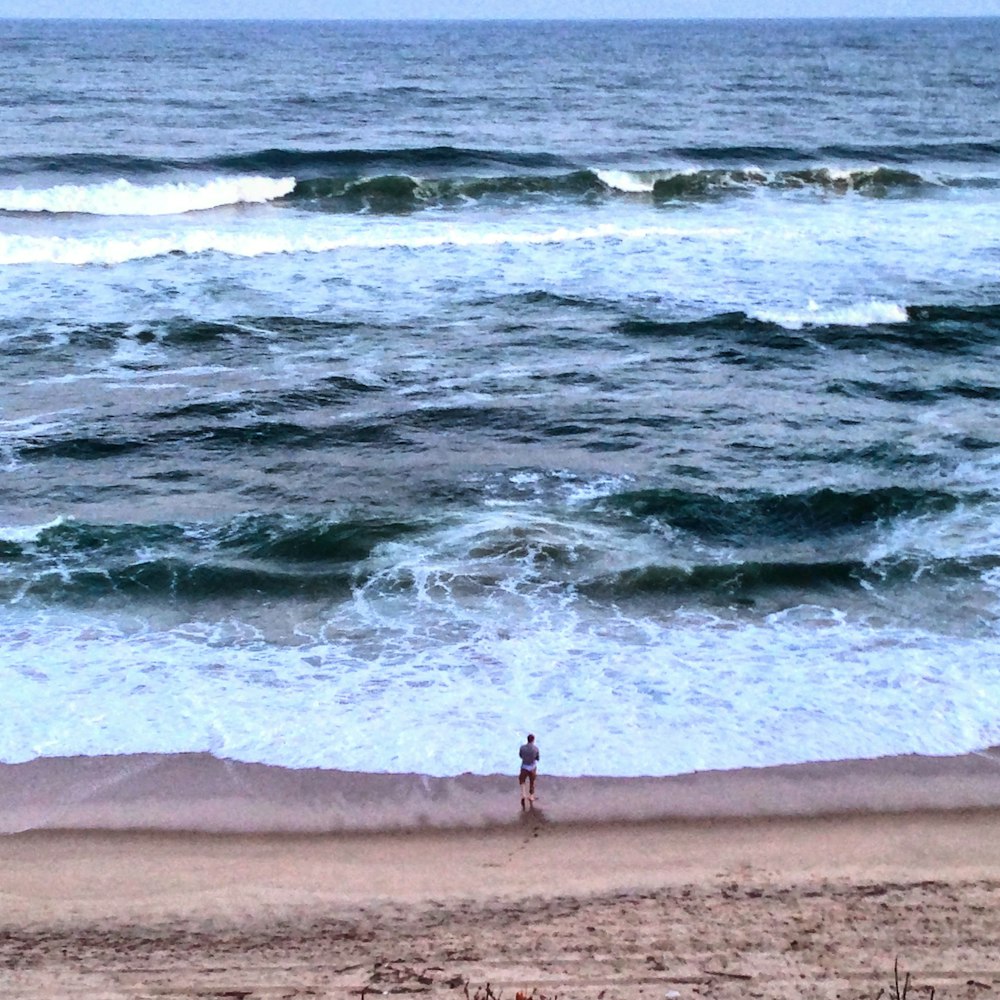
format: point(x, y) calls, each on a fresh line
point(529, 769)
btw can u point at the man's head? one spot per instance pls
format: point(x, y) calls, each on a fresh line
point(531, 737)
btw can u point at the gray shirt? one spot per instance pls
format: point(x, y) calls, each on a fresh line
point(529, 755)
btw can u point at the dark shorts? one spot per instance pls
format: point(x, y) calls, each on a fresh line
point(526, 774)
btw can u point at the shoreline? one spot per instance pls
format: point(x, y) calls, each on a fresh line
point(196, 792)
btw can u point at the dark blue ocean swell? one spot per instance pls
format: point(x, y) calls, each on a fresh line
point(294, 556)
point(304, 420)
point(981, 152)
point(109, 441)
point(452, 161)
point(749, 582)
point(856, 587)
point(307, 163)
point(186, 336)
point(523, 318)
point(814, 515)
point(943, 329)
point(263, 556)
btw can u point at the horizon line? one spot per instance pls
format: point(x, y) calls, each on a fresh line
point(505, 20)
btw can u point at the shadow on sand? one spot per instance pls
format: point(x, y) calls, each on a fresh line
point(532, 816)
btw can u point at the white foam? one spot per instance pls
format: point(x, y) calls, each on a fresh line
point(966, 532)
point(853, 314)
point(108, 249)
point(644, 181)
point(630, 182)
point(122, 197)
point(21, 533)
point(419, 691)
point(580, 492)
point(841, 175)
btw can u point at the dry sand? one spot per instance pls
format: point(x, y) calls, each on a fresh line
point(789, 907)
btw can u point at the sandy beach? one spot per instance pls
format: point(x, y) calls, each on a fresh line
point(816, 905)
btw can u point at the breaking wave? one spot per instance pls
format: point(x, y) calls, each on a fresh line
point(620, 545)
point(935, 327)
point(407, 192)
point(122, 197)
point(405, 180)
point(854, 314)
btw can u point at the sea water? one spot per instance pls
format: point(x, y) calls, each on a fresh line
point(376, 393)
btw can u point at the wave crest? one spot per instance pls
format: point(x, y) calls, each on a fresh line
point(407, 182)
point(858, 314)
point(874, 182)
point(122, 197)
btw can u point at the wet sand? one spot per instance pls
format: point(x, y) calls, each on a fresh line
point(199, 792)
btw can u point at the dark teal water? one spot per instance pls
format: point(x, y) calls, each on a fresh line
point(633, 383)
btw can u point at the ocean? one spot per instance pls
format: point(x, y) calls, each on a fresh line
point(376, 393)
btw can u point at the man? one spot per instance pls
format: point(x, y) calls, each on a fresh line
point(529, 769)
